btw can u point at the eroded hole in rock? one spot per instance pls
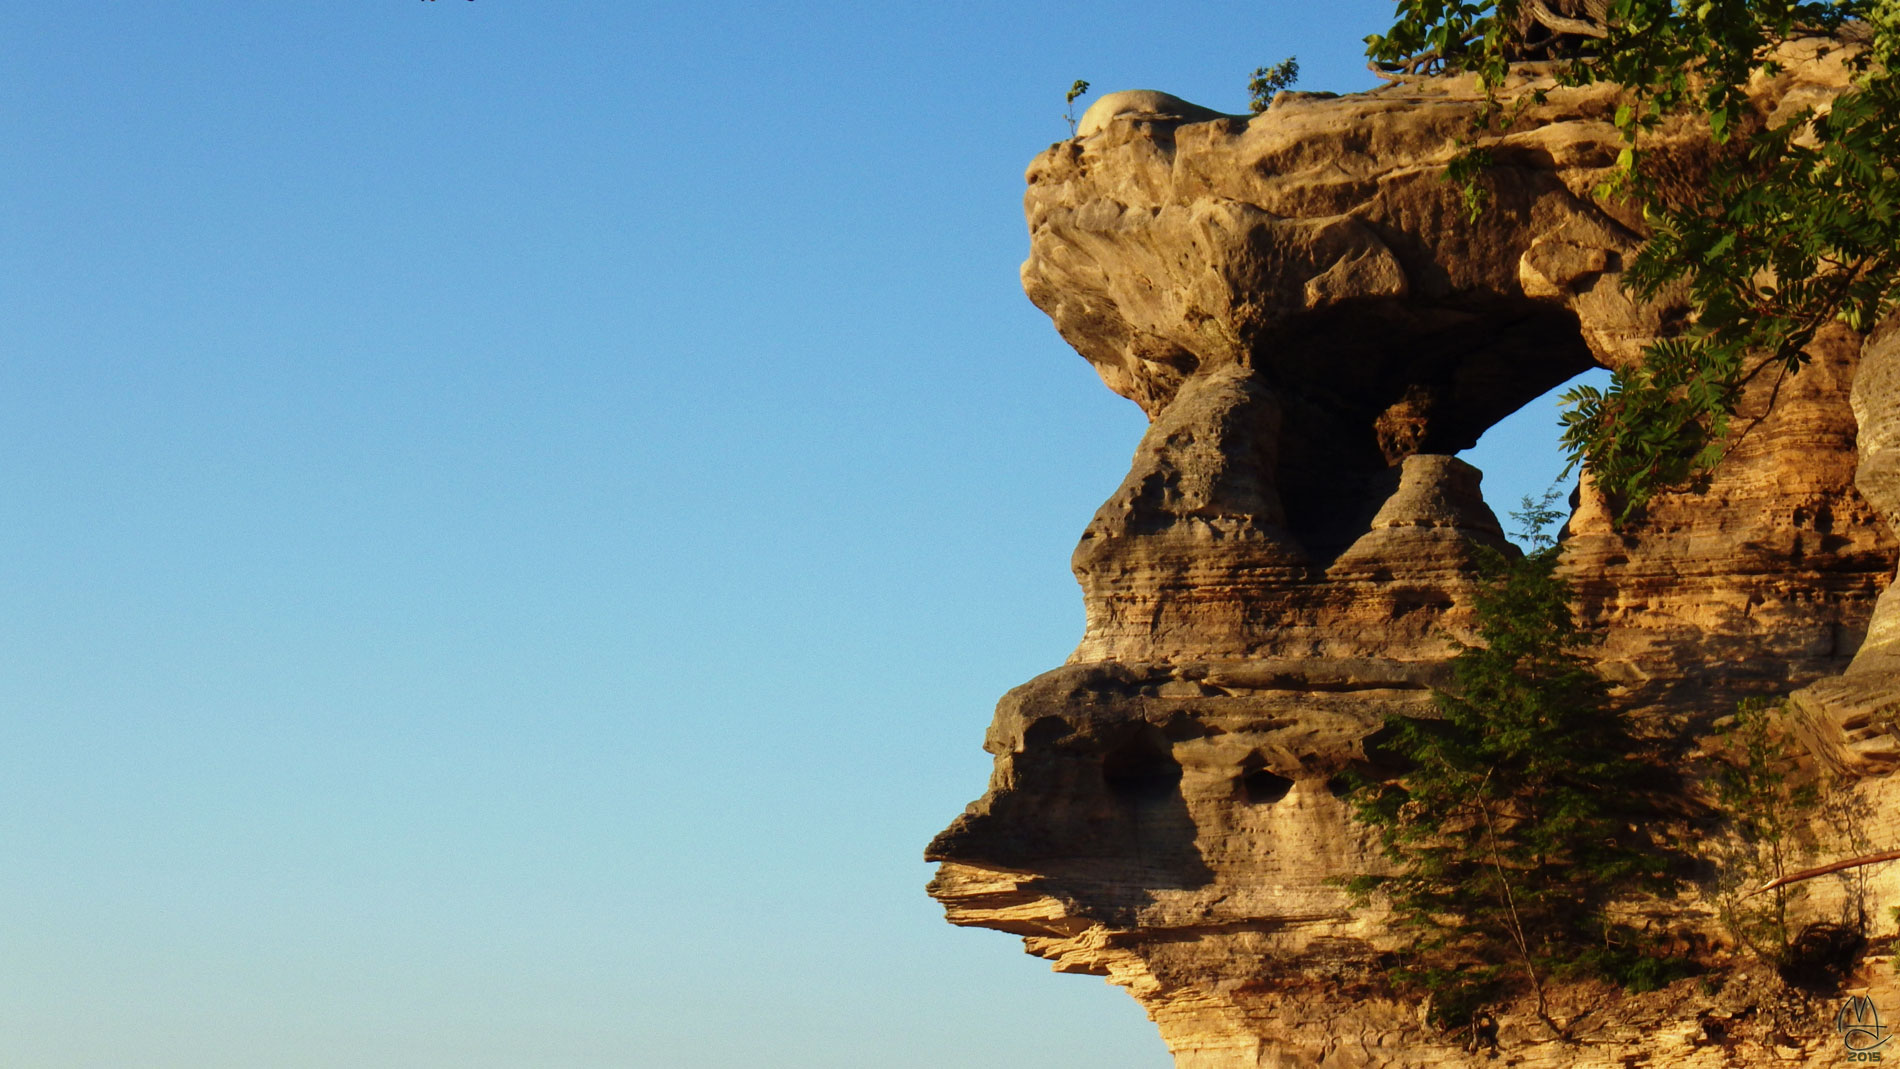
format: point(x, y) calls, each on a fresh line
point(1522, 453)
point(1141, 767)
point(1367, 387)
point(1045, 731)
point(1263, 787)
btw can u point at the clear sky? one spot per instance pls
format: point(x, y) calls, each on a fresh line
point(517, 512)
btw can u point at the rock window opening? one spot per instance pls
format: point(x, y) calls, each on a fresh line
point(1361, 391)
point(1521, 454)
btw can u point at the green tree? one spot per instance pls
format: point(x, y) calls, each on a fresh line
point(1068, 101)
point(1268, 81)
point(1796, 228)
point(1523, 812)
point(1758, 786)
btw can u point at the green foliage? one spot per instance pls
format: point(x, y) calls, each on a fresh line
point(1801, 231)
point(1437, 35)
point(1068, 102)
point(1466, 171)
point(1795, 229)
point(1268, 81)
point(1524, 812)
point(1536, 517)
point(1759, 788)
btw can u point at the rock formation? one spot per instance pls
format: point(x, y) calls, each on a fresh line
point(1849, 720)
point(1314, 325)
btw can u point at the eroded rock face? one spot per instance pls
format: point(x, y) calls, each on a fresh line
point(1876, 402)
point(1850, 720)
point(1314, 325)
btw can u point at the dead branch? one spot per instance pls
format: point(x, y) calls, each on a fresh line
point(1558, 24)
point(1407, 68)
point(1837, 866)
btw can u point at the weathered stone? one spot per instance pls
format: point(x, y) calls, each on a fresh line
point(1853, 722)
point(1139, 105)
point(1314, 324)
point(1432, 522)
point(1876, 402)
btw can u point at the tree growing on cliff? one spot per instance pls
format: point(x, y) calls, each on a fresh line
point(1267, 82)
point(1068, 99)
point(1797, 227)
point(1522, 813)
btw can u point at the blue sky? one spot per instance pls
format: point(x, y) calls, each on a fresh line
point(517, 514)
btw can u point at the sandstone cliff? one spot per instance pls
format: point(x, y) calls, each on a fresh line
point(1314, 325)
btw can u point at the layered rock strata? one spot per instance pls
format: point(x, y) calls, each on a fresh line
point(1850, 720)
point(1314, 325)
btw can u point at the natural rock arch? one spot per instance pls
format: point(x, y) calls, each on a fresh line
point(1313, 324)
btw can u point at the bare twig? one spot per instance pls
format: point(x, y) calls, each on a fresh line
point(1842, 280)
point(1510, 905)
point(1735, 440)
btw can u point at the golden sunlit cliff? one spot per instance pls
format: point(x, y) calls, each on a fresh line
point(1314, 326)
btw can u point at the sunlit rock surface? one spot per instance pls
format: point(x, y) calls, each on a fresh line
point(1314, 324)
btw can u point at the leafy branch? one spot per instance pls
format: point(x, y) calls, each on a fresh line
point(1794, 230)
